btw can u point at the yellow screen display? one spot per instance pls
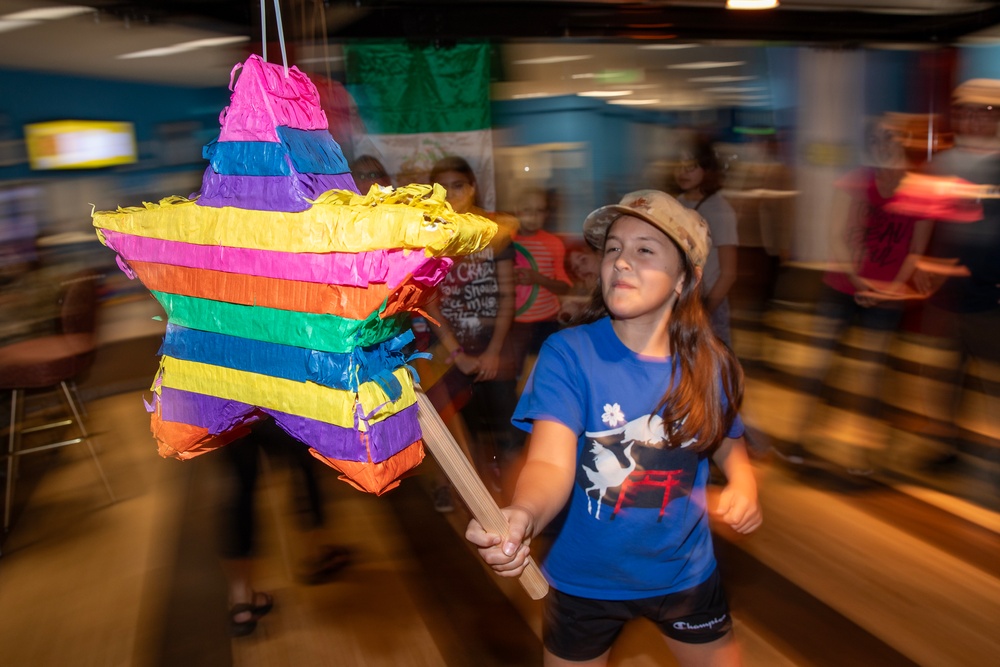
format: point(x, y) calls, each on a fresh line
point(79, 144)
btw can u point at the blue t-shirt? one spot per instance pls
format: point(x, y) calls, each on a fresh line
point(636, 524)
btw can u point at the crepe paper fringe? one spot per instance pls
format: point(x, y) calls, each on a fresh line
point(327, 333)
point(299, 151)
point(377, 478)
point(412, 217)
point(264, 98)
point(214, 416)
point(348, 409)
point(314, 151)
point(348, 302)
point(184, 441)
point(392, 267)
point(346, 371)
point(269, 193)
point(249, 158)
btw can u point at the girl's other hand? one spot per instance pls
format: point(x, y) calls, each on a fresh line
point(467, 364)
point(507, 555)
point(489, 364)
point(739, 509)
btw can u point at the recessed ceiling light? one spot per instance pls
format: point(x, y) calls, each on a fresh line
point(733, 89)
point(707, 64)
point(321, 59)
point(605, 93)
point(633, 103)
point(529, 96)
point(184, 47)
point(551, 60)
point(751, 4)
point(7, 25)
point(721, 78)
point(667, 47)
point(48, 13)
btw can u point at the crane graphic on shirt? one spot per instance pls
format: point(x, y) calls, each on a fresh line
point(611, 462)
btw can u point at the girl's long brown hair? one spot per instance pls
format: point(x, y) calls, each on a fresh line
point(704, 402)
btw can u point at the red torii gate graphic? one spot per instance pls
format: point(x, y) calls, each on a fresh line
point(663, 478)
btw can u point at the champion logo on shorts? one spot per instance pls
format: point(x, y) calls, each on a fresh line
point(708, 625)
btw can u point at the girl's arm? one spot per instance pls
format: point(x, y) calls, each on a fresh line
point(467, 364)
point(738, 504)
point(526, 276)
point(727, 276)
point(543, 487)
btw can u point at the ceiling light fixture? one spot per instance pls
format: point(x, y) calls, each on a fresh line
point(48, 13)
point(751, 4)
point(605, 93)
point(551, 60)
point(666, 47)
point(720, 79)
point(8, 25)
point(707, 64)
point(184, 47)
point(633, 103)
point(30, 17)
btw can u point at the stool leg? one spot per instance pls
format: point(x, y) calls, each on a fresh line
point(10, 459)
point(86, 439)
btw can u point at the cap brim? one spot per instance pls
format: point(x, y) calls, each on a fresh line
point(595, 227)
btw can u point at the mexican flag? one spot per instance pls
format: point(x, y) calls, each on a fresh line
point(421, 103)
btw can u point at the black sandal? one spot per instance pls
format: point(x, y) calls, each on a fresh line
point(242, 628)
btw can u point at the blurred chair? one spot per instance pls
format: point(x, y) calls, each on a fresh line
point(52, 363)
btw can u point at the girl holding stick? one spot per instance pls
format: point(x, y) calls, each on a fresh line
point(624, 414)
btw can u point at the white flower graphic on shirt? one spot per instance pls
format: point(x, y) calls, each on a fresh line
point(613, 415)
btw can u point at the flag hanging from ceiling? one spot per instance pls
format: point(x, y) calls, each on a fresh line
point(421, 103)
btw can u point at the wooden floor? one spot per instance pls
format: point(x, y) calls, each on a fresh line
point(898, 568)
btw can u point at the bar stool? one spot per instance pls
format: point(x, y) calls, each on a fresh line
point(52, 363)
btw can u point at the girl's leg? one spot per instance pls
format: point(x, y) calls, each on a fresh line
point(723, 652)
point(551, 660)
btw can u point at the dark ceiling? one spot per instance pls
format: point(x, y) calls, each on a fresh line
point(836, 21)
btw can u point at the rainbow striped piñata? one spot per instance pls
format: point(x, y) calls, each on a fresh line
point(287, 292)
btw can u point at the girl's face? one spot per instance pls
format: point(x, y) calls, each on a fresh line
point(585, 265)
point(641, 271)
point(461, 193)
point(689, 175)
point(531, 212)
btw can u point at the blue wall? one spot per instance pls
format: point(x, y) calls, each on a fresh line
point(34, 96)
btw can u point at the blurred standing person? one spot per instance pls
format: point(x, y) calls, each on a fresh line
point(541, 277)
point(965, 307)
point(318, 560)
point(699, 179)
point(871, 283)
point(474, 311)
point(367, 171)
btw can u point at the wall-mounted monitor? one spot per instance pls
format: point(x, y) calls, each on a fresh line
point(79, 144)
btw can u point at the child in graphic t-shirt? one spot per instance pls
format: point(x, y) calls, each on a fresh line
point(624, 414)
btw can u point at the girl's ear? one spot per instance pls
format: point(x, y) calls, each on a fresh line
point(695, 276)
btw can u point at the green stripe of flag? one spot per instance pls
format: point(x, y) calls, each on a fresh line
point(403, 89)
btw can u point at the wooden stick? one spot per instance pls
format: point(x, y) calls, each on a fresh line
point(470, 487)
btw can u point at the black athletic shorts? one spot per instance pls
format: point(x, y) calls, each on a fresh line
point(581, 629)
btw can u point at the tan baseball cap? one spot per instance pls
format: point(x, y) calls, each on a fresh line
point(688, 229)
